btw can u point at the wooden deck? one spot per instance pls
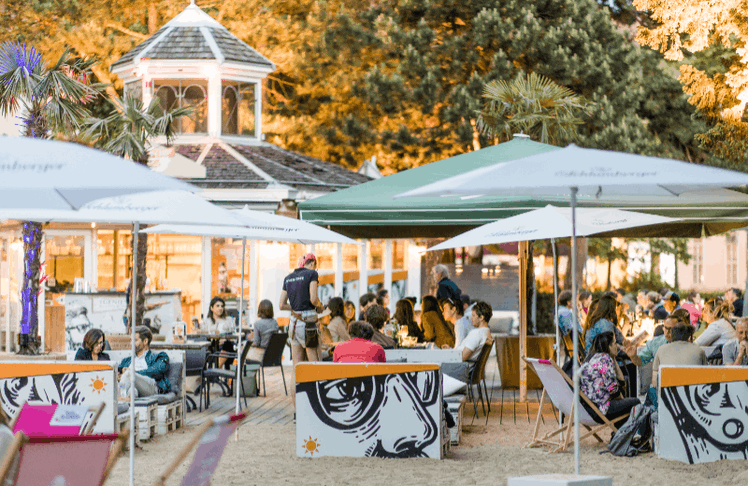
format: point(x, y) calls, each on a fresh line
point(277, 407)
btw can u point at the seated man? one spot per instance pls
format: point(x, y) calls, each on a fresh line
point(151, 369)
point(376, 315)
point(359, 349)
point(473, 344)
point(680, 350)
point(735, 351)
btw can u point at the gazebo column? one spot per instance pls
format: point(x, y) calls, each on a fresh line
point(214, 101)
point(258, 114)
point(206, 276)
point(388, 269)
point(339, 269)
point(253, 275)
point(413, 253)
point(363, 272)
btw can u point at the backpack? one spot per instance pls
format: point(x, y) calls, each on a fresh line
point(635, 435)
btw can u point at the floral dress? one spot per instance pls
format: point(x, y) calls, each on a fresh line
point(598, 380)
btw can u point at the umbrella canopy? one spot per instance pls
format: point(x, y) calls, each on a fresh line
point(595, 173)
point(369, 210)
point(257, 225)
point(47, 174)
point(148, 208)
point(551, 222)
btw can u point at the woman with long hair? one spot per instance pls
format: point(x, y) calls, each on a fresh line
point(602, 318)
point(350, 312)
point(719, 330)
point(218, 322)
point(93, 347)
point(338, 326)
point(435, 328)
point(600, 379)
point(405, 316)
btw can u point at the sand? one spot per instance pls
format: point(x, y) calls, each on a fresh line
point(265, 455)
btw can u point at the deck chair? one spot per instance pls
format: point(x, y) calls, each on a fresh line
point(81, 460)
point(559, 388)
point(36, 419)
point(212, 437)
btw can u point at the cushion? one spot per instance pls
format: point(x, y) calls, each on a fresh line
point(122, 407)
point(458, 371)
point(175, 377)
point(165, 398)
point(455, 399)
point(450, 386)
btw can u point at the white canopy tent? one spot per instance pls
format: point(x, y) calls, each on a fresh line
point(47, 174)
point(588, 173)
point(258, 226)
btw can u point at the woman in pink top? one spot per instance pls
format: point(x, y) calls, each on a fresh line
point(359, 349)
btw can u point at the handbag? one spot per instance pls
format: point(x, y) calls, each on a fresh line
point(311, 333)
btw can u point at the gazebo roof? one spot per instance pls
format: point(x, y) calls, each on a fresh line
point(194, 35)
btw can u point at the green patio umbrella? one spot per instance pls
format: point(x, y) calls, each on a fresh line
point(369, 210)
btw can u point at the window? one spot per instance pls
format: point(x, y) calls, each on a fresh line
point(698, 262)
point(732, 259)
point(64, 261)
point(182, 93)
point(237, 108)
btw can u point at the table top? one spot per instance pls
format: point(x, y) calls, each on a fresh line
point(213, 336)
point(187, 345)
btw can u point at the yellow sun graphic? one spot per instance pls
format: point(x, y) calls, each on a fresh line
point(311, 446)
point(98, 385)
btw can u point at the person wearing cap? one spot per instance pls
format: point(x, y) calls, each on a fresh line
point(299, 295)
point(671, 302)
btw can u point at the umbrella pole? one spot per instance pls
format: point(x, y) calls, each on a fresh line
point(575, 329)
point(133, 299)
point(239, 340)
point(555, 303)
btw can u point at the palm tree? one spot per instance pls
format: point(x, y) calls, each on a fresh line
point(46, 99)
point(533, 105)
point(127, 132)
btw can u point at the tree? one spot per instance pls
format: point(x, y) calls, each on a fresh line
point(46, 99)
point(604, 249)
point(127, 132)
point(696, 26)
point(533, 105)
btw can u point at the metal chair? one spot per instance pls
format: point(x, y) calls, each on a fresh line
point(478, 377)
point(195, 361)
point(273, 357)
point(220, 373)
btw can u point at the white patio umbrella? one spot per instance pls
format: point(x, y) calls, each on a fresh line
point(37, 173)
point(259, 226)
point(588, 173)
point(148, 208)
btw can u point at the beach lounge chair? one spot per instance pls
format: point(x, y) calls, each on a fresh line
point(212, 437)
point(81, 460)
point(558, 387)
point(38, 419)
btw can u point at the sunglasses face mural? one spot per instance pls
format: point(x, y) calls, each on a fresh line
point(707, 421)
point(395, 415)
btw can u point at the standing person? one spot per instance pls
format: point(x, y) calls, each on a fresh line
point(735, 351)
point(264, 328)
point(735, 297)
point(405, 316)
point(719, 330)
point(93, 347)
point(435, 328)
point(218, 322)
point(446, 289)
point(600, 377)
point(299, 295)
point(338, 327)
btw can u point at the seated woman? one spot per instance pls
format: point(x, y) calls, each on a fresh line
point(406, 317)
point(350, 312)
point(218, 322)
point(338, 326)
point(435, 328)
point(601, 318)
point(600, 377)
point(719, 330)
point(264, 327)
point(93, 347)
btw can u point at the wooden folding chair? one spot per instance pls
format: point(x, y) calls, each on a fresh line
point(35, 419)
point(82, 460)
point(559, 388)
point(212, 437)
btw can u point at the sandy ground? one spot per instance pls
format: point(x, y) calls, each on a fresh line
point(265, 455)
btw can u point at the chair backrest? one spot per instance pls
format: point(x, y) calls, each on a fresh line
point(479, 370)
point(246, 344)
point(36, 420)
point(559, 388)
point(81, 460)
point(211, 439)
point(274, 352)
point(195, 360)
